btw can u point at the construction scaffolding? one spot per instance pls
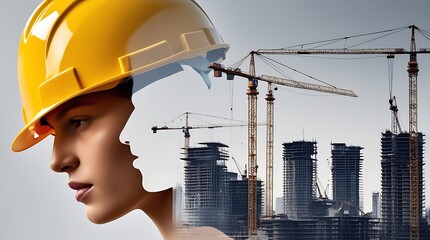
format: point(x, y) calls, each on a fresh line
point(323, 228)
point(238, 191)
point(346, 173)
point(395, 186)
point(299, 170)
point(207, 202)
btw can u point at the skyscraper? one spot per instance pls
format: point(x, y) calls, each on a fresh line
point(207, 202)
point(299, 178)
point(346, 175)
point(395, 186)
point(279, 209)
point(238, 191)
point(177, 203)
point(311, 217)
point(376, 204)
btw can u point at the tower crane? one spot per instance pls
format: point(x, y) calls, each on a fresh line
point(395, 123)
point(186, 129)
point(252, 130)
point(242, 173)
point(413, 123)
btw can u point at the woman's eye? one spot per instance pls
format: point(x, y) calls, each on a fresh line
point(76, 123)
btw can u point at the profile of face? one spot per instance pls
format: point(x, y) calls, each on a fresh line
point(88, 149)
point(88, 146)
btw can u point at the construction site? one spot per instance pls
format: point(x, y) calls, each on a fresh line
point(240, 203)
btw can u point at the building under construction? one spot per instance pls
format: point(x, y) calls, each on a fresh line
point(206, 197)
point(299, 172)
point(346, 173)
point(311, 216)
point(238, 191)
point(321, 228)
point(395, 186)
point(376, 205)
point(213, 196)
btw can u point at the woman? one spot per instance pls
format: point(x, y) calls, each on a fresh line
point(79, 64)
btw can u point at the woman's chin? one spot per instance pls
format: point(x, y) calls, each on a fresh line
point(98, 217)
point(97, 220)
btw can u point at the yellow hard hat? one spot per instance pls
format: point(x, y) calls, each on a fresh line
point(73, 47)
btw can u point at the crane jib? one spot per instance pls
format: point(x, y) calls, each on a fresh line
point(390, 51)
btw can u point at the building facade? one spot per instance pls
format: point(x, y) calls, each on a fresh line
point(207, 202)
point(395, 186)
point(299, 171)
point(238, 191)
point(323, 228)
point(214, 196)
point(177, 204)
point(376, 204)
point(346, 173)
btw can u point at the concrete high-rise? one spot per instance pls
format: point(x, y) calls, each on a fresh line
point(376, 204)
point(238, 191)
point(309, 216)
point(346, 176)
point(299, 170)
point(177, 203)
point(279, 206)
point(395, 186)
point(207, 202)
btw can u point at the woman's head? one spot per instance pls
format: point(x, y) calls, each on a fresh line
point(73, 59)
point(87, 148)
point(71, 48)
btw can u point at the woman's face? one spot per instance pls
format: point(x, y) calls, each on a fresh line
point(87, 148)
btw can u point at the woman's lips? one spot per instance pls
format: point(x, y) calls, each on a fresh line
point(81, 190)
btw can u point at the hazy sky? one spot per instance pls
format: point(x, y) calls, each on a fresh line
point(37, 203)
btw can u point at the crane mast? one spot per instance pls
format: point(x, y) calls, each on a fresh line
point(413, 142)
point(252, 150)
point(269, 149)
point(186, 131)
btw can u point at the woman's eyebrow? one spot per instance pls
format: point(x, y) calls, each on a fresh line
point(73, 104)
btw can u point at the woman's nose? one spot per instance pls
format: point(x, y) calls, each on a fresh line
point(63, 159)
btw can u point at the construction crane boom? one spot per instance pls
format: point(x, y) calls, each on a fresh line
point(285, 82)
point(210, 126)
point(186, 129)
point(307, 86)
point(252, 130)
point(351, 51)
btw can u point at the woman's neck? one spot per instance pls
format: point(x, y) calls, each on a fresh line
point(159, 207)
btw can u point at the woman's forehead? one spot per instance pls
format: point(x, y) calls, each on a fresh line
point(91, 99)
